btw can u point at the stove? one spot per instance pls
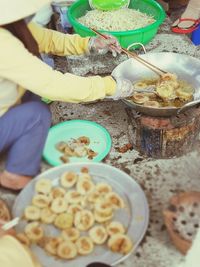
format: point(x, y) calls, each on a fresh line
point(161, 137)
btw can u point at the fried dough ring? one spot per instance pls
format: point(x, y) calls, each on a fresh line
point(84, 186)
point(115, 200)
point(103, 208)
point(71, 234)
point(43, 186)
point(59, 205)
point(4, 211)
point(115, 228)
point(84, 220)
point(32, 213)
point(22, 238)
point(66, 250)
point(47, 216)
point(98, 234)
point(103, 188)
point(52, 245)
point(64, 221)
point(120, 243)
point(73, 197)
point(68, 179)
point(84, 245)
point(74, 208)
point(41, 201)
point(57, 192)
point(34, 231)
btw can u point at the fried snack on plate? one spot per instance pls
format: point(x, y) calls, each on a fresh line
point(61, 146)
point(80, 151)
point(34, 231)
point(66, 250)
point(68, 179)
point(71, 234)
point(84, 245)
point(4, 211)
point(22, 238)
point(100, 218)
point(115, 227)
point(84, 220)
point(103, 208)
point(47, 216)
point(98, 234)
point(43, 186)
point(64, 221)
point(103, 188)
point(57, 192)
point(74, 208)
point(51, 244)
point(59, 205)
point(84, 175)
point(120, 243)
point(32, 213)
point(41, 201)
point(94, 196)
point(73, 197)
point(84, 186)
point(84, 140)
point(115, 200)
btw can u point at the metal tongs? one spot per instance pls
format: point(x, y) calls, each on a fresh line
point(154, 68)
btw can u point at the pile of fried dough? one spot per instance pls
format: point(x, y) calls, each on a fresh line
point(83, 213)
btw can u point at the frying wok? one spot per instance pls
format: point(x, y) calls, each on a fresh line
point(185, 67)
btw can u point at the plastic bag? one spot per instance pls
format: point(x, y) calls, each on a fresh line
point(108, 5)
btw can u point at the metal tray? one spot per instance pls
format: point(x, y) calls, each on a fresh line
point(134, 216)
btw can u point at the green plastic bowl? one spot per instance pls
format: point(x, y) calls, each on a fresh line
point(126, 38)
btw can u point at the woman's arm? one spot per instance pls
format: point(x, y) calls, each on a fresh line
point(57, 43)
point(28, 71)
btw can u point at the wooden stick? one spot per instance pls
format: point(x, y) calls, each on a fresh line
point(135, 56)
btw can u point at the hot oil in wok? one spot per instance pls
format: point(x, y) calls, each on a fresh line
point(169, 92)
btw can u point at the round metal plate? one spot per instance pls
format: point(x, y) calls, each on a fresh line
point(134, 216)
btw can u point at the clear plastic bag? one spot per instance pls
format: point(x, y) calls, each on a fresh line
point(108, 5)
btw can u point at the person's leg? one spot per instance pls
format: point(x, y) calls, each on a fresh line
point(23, 131)
point(190, 15)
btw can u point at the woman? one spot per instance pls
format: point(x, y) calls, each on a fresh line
point(24, 119)
point(189, 20)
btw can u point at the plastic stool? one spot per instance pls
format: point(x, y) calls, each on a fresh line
point(195, 37)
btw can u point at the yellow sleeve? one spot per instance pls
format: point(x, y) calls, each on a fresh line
point(57, 43)
point(14, 254)
point(28, 71)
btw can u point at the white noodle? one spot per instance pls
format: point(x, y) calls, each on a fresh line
point(118, 20)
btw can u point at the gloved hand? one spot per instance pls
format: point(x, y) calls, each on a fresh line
point(124, 88)
point(101, 46)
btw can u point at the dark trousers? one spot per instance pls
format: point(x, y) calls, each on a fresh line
point(23, 132)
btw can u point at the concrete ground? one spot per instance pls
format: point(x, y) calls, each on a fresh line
point(160, 179)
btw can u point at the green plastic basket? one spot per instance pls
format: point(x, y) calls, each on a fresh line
point(126, 38)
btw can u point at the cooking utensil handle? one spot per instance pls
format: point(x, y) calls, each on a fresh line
point(188, 105)
point(10, 224)
point(154, 68)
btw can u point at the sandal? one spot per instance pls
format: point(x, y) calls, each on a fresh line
point(193, 27)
